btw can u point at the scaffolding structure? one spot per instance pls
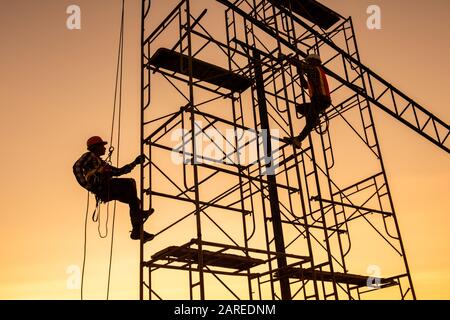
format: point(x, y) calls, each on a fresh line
point(239, 203)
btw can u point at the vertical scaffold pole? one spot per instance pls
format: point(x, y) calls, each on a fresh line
point(271, 179)
point(141, 247)
point(194, 160)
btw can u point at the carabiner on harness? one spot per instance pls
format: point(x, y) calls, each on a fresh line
point(108, 158)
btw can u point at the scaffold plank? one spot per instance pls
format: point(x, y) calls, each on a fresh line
point(201, 70)
point(311, 10)
point(326, 276)
point(217, 259)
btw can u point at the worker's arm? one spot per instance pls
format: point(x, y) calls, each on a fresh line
point(126, 168)
point(301, 67)
point(303, 81)
point(304, 67)
point(115, 172)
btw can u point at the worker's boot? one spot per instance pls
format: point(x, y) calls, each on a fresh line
point(146, 214)
point(135, 235)
point(296, 142)
point(136, 221)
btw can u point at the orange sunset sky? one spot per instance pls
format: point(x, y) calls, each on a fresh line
point(57, 89)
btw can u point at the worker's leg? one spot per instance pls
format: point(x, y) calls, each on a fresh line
point(312, 119)
point(312, 112)
point(124, 190)
point(303, 108)
point(323, 106)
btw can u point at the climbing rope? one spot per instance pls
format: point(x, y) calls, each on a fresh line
point(117, 105)
point(117, 101)
point(85, 241)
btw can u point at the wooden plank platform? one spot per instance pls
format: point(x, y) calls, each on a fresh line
point(311, 10)
point(201, 70)
point(326, 276)
point(217, 259)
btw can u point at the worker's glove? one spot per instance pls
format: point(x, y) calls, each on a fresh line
point(139, 159)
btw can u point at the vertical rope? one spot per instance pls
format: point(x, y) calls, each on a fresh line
point(118, 91)
point(85, 242)
point(118, 88)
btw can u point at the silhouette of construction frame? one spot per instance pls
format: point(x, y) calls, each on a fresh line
point(303, 215)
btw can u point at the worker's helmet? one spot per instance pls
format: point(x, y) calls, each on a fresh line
point(313, 56)
point(92, 141)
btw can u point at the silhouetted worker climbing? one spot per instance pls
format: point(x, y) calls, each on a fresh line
point(319, 94)
point(95, 175)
